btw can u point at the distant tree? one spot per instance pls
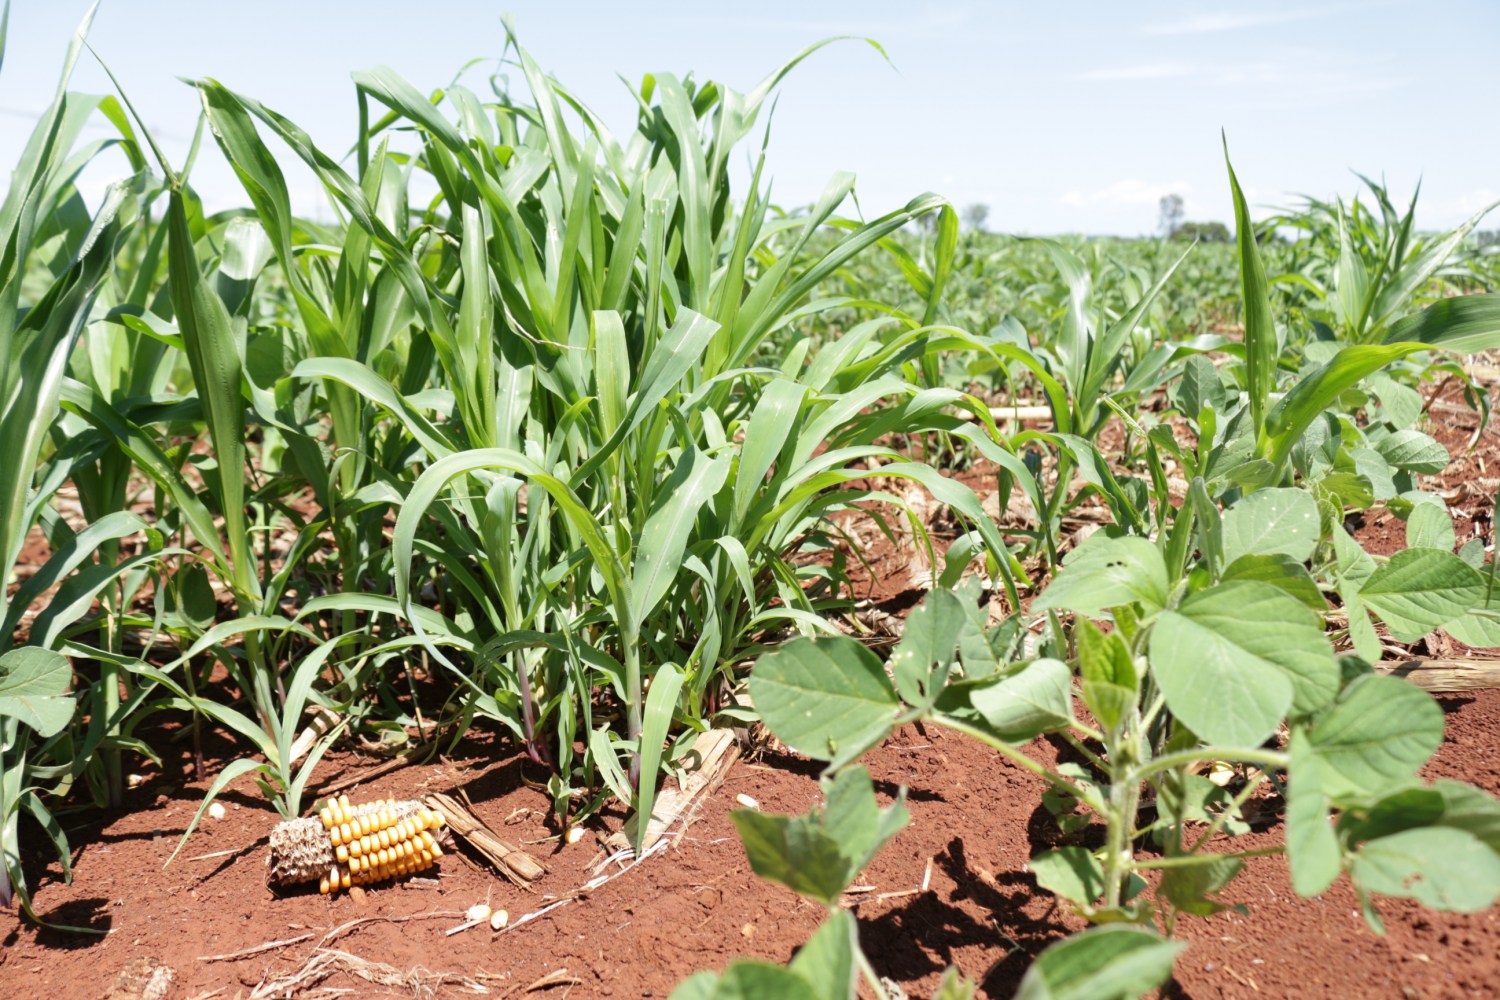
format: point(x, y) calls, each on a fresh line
point(1171, 214)
point(975, 216)
point(1203, 232)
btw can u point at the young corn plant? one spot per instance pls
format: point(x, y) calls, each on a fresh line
point(56, 259)
point(602, 489)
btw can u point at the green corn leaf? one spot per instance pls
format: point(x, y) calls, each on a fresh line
point(1261, 348)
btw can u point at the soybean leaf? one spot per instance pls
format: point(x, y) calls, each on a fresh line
point(1280, 571)
point(746, 981)
point(33, 689)
point(926, 653)
point(1190, 887)
point(1429, 526)
point(1272, 522)
point(1108, 672)
point(1234, 660)
point(1105, 573)
point(1381, 730)
point(1413, 451)
point(1072, 873)
point(1022, 706)
point(828, 698)
point(1113, 962)
point(1312, 847)
point(1420, 590)
point(1441, 867)
point(827, 961)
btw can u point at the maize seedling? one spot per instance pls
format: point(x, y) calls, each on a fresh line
point(344, 845)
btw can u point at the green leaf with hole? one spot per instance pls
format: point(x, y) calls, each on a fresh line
point(1440, 867)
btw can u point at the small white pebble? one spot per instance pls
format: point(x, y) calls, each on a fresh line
point(575, 835)
point(499, 919)
point(134, 780)
point(746, 801)
point(477, 912)
point(216, 811)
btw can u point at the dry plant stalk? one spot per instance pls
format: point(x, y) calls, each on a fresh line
point(512, 862)
point(348, 845)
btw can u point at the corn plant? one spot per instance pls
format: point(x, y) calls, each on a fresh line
point(610, 492)
point(55, 261)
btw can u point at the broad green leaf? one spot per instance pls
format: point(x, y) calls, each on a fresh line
point(747, 980)
point(33, 689)
point(1312, 847)
point(1022, 706)
point(928, 644)
point(1190, 888)
point(1280, 571)
point(827, 960)
point(1429, 526)
point(1420, 590)
point(819, 854)
point(1107, 572)
point(1440, 867)
point(1108, 673)
point(1113, 962)
point(824, 697)
point(1235, 660)
point(1272, 522)
point(1381, 730)
point(854, 819)
point(1413, 451)
point(1070, 872)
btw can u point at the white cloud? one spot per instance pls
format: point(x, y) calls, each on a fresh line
point(1202, 24)
point(1125, 192)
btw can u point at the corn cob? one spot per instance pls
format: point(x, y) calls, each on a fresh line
point(345, 845)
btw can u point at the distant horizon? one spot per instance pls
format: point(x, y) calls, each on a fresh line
point(1062, 125)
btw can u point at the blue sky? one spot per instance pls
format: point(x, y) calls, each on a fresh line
point(1066, 117)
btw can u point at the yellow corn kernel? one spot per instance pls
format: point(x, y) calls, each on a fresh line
point(326, 815)
point(344, 880)
point(369, 845)
point(344, 803)
point(341, 852)
point(438, 819)
point(384, 837)
point(348, 832)
point(334, 836)
point(323, 885)
point(333, 877)
point(426, 857)
point(383, 819)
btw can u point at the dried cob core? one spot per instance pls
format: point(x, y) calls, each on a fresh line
point(346, 845)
